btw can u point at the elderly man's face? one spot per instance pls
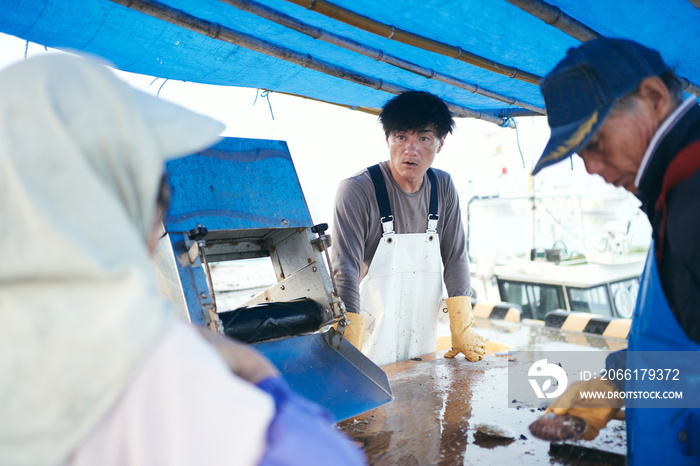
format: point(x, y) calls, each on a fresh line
point(616, 150)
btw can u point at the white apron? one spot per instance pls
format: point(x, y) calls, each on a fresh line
point(401, 293)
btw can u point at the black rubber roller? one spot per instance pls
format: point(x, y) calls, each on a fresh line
point(267, 321)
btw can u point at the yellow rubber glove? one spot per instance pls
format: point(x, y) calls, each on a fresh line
point(595, 411)
point(464, 340)
point(355, 331)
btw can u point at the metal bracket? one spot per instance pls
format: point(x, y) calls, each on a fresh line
point(195, 275)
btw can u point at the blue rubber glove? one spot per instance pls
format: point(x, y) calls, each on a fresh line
point(302, 433)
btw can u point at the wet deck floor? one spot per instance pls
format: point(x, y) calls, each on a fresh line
point(438, 402)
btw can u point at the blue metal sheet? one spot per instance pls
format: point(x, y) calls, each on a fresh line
point(330, 371)
point(237, 184)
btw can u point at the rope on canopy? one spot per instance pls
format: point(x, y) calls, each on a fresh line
point(372, 52)
point(219, 32)
point(391, 32)
point(553, 15)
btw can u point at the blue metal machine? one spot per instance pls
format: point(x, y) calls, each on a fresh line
point(242, 199)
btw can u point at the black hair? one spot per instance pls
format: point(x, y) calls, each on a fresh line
point(416, 110)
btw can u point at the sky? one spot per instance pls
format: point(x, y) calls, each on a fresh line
point(329, 143)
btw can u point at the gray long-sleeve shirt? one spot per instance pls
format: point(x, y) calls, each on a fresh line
point(357, 230)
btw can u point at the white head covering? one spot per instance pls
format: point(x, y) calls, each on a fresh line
point(81, 155)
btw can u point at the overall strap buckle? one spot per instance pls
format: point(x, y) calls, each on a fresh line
point(432, 223)
point(388, 225)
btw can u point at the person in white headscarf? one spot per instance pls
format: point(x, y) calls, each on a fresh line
point(95, 367)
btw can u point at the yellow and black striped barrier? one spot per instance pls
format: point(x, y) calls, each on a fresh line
point(499, 311)
point(586, 322)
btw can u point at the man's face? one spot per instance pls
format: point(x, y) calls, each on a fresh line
point(411, 154)
point(616, 150)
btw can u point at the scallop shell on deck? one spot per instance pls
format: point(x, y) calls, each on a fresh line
point(558, 428)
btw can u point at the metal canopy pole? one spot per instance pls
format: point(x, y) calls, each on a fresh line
point(372, 52)
point(552, 15)
point(391, 32)
point(219, 32)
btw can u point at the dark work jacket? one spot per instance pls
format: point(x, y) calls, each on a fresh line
point(679, 269)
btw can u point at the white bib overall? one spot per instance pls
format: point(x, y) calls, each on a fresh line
point(401, 293)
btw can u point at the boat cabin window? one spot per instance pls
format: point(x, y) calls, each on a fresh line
point(624, 295)
point(594, 300)
point(536, 300)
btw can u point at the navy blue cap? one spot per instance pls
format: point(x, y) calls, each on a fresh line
point(580, 91)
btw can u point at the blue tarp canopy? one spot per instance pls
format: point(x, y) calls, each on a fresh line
point(169, 40)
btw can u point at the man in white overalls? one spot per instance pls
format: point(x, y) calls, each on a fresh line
point(397, 225)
